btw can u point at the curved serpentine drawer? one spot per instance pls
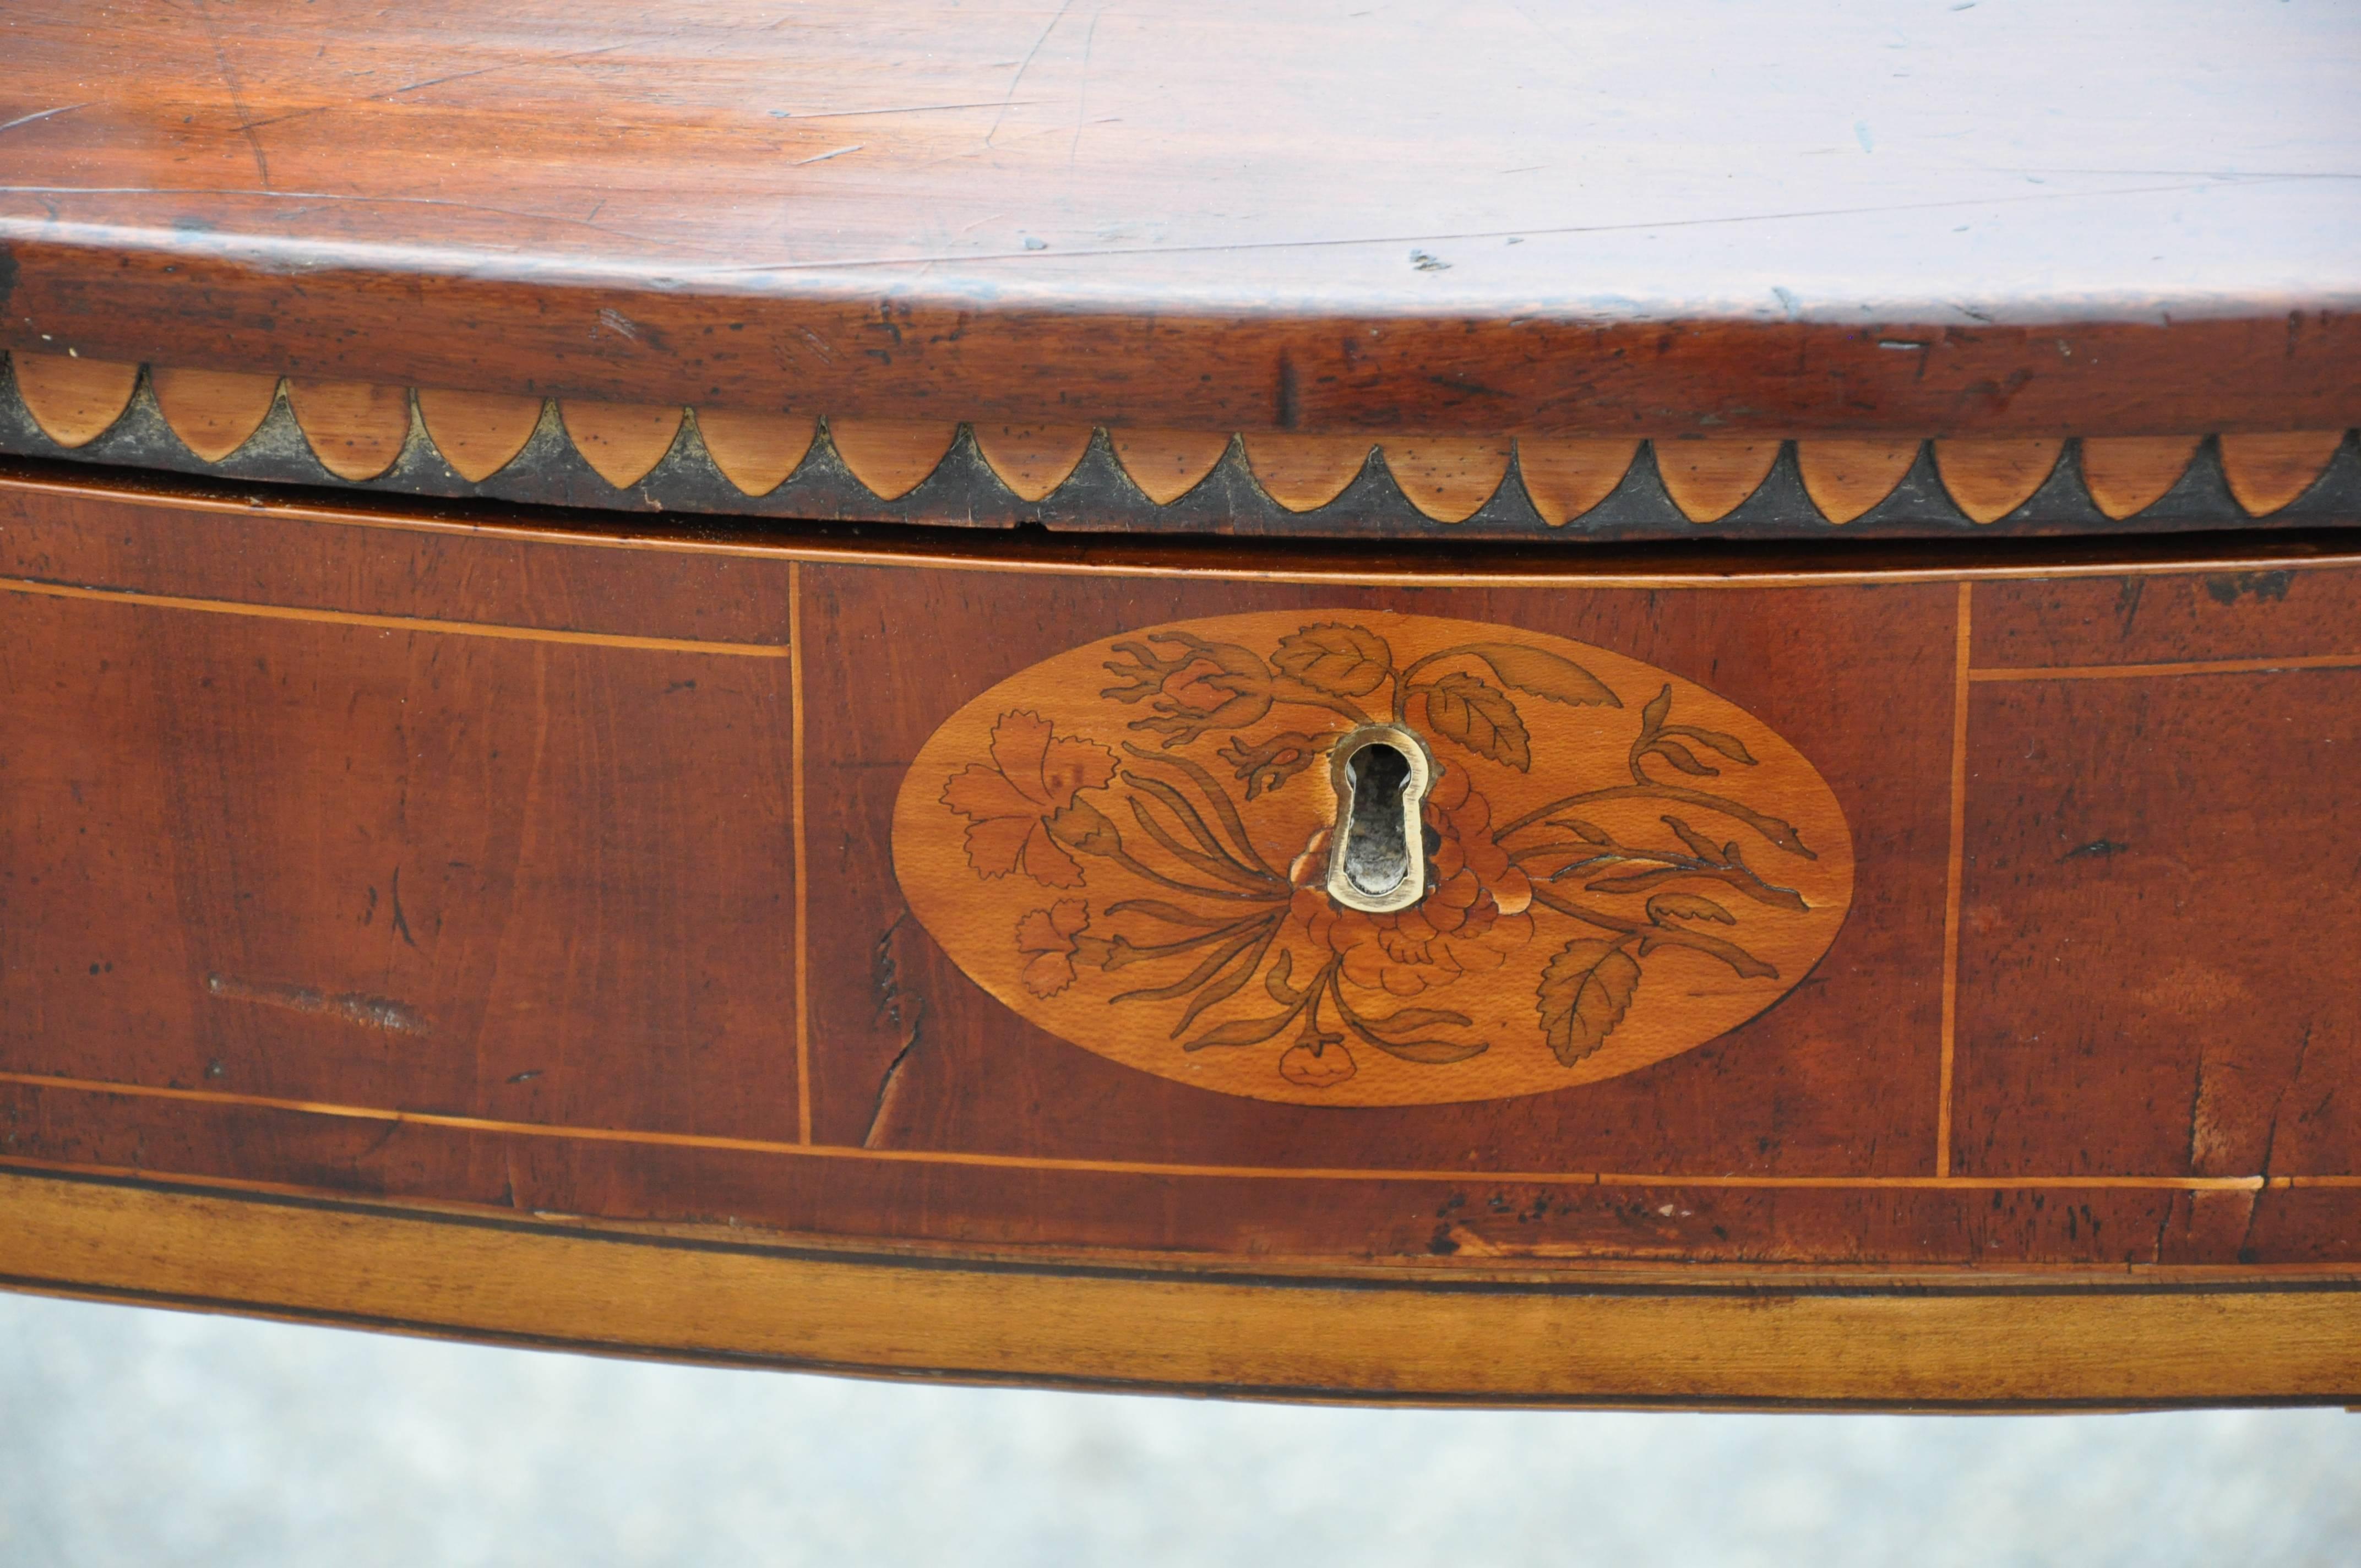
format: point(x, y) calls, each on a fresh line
point(1920, 984)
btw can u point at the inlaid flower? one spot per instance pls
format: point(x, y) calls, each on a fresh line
point(1050, 940)
point(1034, 774)
point(1194, 686)
point(1272, 762)
point(1321, 1063)
point(1472, 918)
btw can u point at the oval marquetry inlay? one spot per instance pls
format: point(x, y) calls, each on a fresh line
point(1127, 844)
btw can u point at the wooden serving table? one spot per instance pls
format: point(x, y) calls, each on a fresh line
point(1499, 706)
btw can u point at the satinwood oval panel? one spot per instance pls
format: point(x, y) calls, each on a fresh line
point(1128, 845)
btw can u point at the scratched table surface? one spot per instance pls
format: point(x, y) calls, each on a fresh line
point(906, 206)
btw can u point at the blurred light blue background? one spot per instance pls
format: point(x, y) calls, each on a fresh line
point(132, 1436)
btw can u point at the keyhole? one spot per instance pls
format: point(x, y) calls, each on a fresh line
point(1379, 861)
point(1376, 851)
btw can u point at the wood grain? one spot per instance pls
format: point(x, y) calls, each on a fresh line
point(1566, 478)
point(214, 411)
point(743, 1301)
point(378, 859)
point(387, 878)
point(74, 400)
point(1990, 480)
point(2129, 473)
point(1708, 478)
point(893, 457)
point(2174, 788)
point(1303, 473)
point(622, 441)
point(1167, 464)
point(2266, 472)
point(1846, 478)
point(355, 428)
point(478, 433)
point(1032, 460)
point(1560, 236)
point(1448, 480)
point(756, 451)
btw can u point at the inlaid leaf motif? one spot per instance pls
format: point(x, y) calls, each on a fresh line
point(1434, 1053)
point(1413, 1018)
point(1729, 746)
point(1342, 661)
point(1084, 827)
point(1584, 993)
point(1687, 906)
point(1656, 739)
point(1703, 848)
point(1636, 881)
point(1277, 982)
point(1652, 717)
point(1244, 1032)
point(1683, 759)
point(1546, 674)
point(1479, 717)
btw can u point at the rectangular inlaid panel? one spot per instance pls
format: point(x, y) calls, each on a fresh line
point(558, 873)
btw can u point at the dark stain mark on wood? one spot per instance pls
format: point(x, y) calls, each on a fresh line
point(2127, 601)
point(2229, 588)
point(400, 921)
point(903, 1009)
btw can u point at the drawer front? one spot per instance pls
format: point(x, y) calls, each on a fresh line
point(387, 860)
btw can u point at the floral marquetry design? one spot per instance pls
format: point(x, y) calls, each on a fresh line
point(1129, 844)
point(1032, 780)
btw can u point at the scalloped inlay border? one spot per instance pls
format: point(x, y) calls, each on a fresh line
point(379, 435)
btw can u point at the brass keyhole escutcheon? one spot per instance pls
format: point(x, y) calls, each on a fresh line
point(1377, 862)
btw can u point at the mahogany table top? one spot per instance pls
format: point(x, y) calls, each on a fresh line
point(1950, 219)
